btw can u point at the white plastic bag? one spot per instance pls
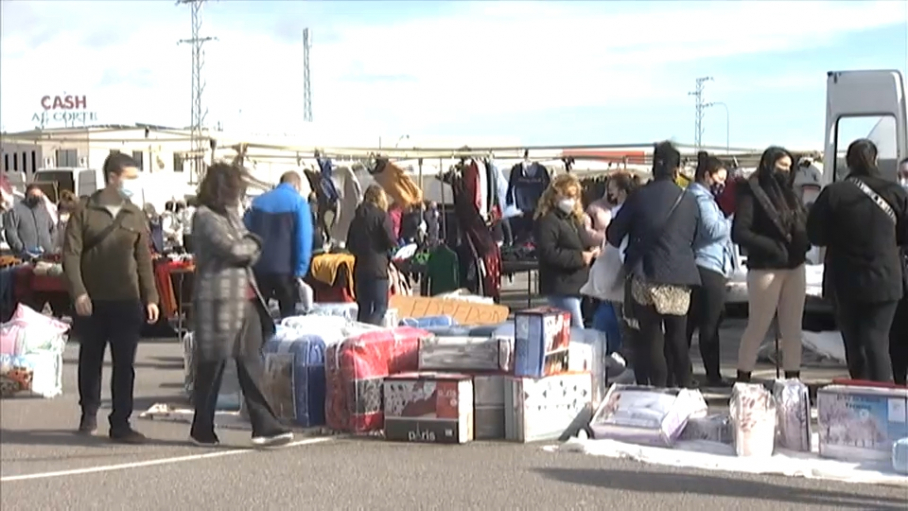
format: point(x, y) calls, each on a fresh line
point(606, 279)
point(753, 413)
point(307, 296)
point(793, 414)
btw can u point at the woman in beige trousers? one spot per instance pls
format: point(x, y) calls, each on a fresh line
point(770, 225)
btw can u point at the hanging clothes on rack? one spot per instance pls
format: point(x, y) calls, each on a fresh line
point(470, 175)
point(484, 205)
point(443, 271)
point(396, 183)
point(525, 186)
point(350, 198)
point(498, 193)
point(329, 189)
point(500, 189)
point(477, 245)
point(320, 207)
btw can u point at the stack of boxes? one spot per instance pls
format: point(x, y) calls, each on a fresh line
point(534, 386)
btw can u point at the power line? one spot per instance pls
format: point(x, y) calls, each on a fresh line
point(199, 143)
point(701, 110)
point(307, 84)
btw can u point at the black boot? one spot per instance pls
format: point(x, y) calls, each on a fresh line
point(88, 424)
point(743, 377)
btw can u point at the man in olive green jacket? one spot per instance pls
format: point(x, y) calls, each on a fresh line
point(107, 262)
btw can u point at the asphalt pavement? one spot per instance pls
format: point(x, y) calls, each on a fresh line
point(44, 466)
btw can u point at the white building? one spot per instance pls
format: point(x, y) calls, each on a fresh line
point(155, 149)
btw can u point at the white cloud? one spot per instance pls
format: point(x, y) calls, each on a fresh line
point(484, 59)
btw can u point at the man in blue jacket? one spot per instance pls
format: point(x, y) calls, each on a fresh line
point(282, 219)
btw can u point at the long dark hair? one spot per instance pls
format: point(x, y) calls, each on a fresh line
point(666, 160)
point(780, 187)
point(222, 187)
point(707, 165)
point(861, 158)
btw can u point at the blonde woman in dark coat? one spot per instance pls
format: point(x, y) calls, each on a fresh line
point(231, 320)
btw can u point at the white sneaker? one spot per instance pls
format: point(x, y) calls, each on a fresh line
point(273, 441)
point(615, 360)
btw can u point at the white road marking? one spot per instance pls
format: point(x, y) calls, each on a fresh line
point(151, 463)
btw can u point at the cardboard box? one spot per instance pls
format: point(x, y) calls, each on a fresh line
point(429, 407)
point(466, 313)
point(488, 407)
point(550, 408)
point(541, 339)
point(861, 423)
point(646, 415)
point(594, 341)
point(465, 354)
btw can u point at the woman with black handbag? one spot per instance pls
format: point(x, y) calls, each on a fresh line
point(660, 220)
point(898, 334)
point(862, 220)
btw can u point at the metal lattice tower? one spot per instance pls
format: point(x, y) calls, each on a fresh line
point(701, 110)
point(198, 142)
point(307, 84)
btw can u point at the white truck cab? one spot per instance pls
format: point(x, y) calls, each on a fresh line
point(865, 104)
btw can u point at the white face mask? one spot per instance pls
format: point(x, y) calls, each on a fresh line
point(904, 182)
point(130, 188)
point(64, 217)
point(567, 205)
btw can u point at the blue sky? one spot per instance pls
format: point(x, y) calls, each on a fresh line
point(540, 73)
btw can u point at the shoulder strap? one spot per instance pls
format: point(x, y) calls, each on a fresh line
point(875, 197)
point(668, 217)
point(671, 211)
point(101, 236)
point(645, 244)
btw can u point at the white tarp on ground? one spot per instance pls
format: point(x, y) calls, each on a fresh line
point(820, 349)
point(715, 456)
point(167, 413)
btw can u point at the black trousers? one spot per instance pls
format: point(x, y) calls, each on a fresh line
point(187, 243)
point(506, 231)
point(118, 324)
point(661, 341)
point(707, 305)
point(280, 287)
point(865, 328)
point(371, 300)
point(898, 343)
point(250, 371)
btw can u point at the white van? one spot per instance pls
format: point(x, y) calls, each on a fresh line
point(80, 181)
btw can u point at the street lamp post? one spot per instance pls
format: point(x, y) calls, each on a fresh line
point(727, 123)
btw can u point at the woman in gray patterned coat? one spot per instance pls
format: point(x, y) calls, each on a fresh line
point(231, 320)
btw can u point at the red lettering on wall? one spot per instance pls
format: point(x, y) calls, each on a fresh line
point(64, 102)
